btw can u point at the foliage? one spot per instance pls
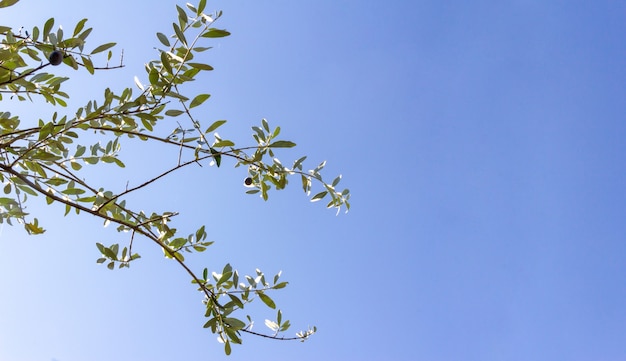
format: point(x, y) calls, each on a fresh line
point(47, 159)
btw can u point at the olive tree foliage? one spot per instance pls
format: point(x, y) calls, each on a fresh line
point(46, 160)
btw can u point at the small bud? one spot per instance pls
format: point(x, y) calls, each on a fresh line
point(56, 57)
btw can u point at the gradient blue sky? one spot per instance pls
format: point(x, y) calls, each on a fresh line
point(484, 146)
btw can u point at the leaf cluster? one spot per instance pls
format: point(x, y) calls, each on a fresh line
point(48, 159)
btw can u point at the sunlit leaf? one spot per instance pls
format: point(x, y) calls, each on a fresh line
point(223, 143)
point(271, 325)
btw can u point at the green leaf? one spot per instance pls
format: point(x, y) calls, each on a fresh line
point(210, 323)
point(163, 39)
point(215, 33)
point(179, 34)
point(298, 163)
point(282, 144)
point(182, 16)
point(173, 112)
point(199, 99)
point(217, 156)
point(319, 196)
point(285, 326)
point(7, 3)
point(88, 64)
point(33, 227)
point(47, 27)
point(214, 126)
point(73, 191)
point(224, 143)
point(236, 300)
point(267, 300)
point(336, 180)
point(178, 243)
point(200, 66)
point(201, 6)
point(79, 27)
point(166, 62)
point(234, 323)
point(102, 48)
point(280, 285)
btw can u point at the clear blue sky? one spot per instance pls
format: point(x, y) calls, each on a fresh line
point(484, 146)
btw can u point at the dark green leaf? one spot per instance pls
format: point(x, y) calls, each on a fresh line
point(179, 34)
point(163, 39)
point(217, 156)
point(282, 144)
point(182, 16)
point(319, 196)
point(200, 66)
point(336, 181)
